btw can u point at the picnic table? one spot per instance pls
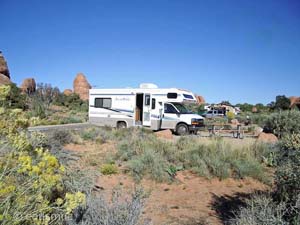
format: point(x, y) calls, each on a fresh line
point(218, 128)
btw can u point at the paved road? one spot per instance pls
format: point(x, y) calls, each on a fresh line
point(77, 126)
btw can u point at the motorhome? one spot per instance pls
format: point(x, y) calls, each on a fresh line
point(147, 106)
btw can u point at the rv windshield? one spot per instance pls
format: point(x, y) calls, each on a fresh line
point(181, 108)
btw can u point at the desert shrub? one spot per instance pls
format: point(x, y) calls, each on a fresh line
point(291, 142)
point(259, 119)
point(11, 97)
point(284, 123)
point(99, 134)
point(149, 163)
point(72, 102)
point(109, 169)
point(220, 159)
point(287, 177)
point(79, 179)
point(119, 211)
point(260, 209)
point(145, 155)
point(31, 179)
point(37, 107)
point(68, 120)
point(58, 138)
point(38, 140)
point(283, 206)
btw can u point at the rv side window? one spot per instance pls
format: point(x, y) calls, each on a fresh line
point(153, 103)
point(170, 109)
point(188, 96)
point(147, 99)
point(102, 102)
point(172, 95)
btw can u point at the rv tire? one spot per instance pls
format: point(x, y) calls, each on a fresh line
point(182, 129)
point(121, 125)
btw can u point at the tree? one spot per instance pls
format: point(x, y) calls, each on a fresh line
point(226, 103)
point(245, 107)
point(282, 102)
point(46, 93)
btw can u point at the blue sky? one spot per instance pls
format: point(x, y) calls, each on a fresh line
point(241, 51)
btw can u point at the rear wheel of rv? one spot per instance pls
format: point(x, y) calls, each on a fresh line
point(121, 125)
point(182, 129)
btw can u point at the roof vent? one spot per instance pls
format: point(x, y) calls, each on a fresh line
point(148, 85)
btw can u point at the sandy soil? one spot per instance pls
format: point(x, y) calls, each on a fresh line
point(189, 200)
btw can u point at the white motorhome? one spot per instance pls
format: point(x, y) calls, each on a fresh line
point(147, 106)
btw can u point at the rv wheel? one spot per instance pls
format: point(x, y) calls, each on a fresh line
point(182, 129)
point(121, 125)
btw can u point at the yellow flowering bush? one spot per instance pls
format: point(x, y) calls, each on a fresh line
point(4, 92)
point(31, 178)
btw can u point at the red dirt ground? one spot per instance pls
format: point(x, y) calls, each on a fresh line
point(189, 200)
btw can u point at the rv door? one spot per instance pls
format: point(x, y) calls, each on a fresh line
point(147, 110)
point(170, 117)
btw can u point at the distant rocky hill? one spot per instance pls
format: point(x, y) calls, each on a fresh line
point(200, 99)
point(295, 101)
point(28, 86)
point(81, 86)
point(4, 71)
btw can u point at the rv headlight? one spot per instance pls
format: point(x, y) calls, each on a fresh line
point(195, 121)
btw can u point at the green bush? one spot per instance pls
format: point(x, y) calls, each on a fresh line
point(218, 159)
point(260, 209)
point(31, 178)
point(284, 123)
point(109, 169)
point(147, 155)
point(72, 102)
point(117, 212)
point(59, 138)
point(287, 177)
point(284, 205)
point(149, 163)
point(11, 97)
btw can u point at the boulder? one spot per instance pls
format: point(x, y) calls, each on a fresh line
point(234, 122)
point(68, 92)
point(258, 131)
point(28, 86)
point(254, 109)
point(294, 101)
point(81, 86)
point(266, 137)
point(200, 99)
point(165, 134)
point(3, 66)
point(4, 79)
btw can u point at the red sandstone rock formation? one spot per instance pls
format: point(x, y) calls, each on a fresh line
point(4, 72)
point(68, 92)
point(165, 134)
point(81, 86)
point(3, 66)
point(28, 86)
point(200, 99)
point(4, 79)
point(295, 101)
point(270, 138)
point(254, 109)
